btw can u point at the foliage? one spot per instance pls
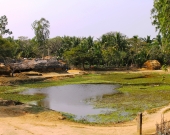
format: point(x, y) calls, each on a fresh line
point(165, 68)
point(41, 30)
point(3, 23)
point(35, 109)
point(26, 48)
point(112, 49)
point(56, 46)
point(11, 93)
point(160, 16)
point(6, 48)
point(133, 87)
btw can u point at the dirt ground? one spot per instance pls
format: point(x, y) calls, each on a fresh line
point(15, 121)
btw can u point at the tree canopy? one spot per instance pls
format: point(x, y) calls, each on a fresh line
point(7, 49)
point(3, 23)
point(161, 18)
point(41, 30)
point(112, 49)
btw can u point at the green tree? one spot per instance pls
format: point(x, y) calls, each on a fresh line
point(3, 23)
point(114, 48)
point(160, 51)
point(41, 30)
point(6, 48)
point(136, 51)
point(26, 48)
point(147, 40)
point(55, 46)
point(75, 56)
point(79, 51)
point(96, 54)
point(161, 18)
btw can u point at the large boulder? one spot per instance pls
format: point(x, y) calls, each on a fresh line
point(152, 65)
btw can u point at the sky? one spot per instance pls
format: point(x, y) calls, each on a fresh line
point(81, 18)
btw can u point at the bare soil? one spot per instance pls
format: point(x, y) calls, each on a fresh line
point(14, 120)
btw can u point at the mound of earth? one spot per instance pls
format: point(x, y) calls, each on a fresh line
point(152, 65)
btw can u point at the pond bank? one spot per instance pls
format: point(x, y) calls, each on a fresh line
point(75, 100)
point(14, 120)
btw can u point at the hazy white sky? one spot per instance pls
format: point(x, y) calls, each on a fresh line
point(80, 17)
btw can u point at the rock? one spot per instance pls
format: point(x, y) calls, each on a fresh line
point(152, 65)
point(61, 118)
point(8, 102)
point(40, 65)
point(4, 70)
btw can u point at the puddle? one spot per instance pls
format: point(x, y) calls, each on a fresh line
point(72, 98)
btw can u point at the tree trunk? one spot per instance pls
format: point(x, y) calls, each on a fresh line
point(83, 65)
point(12, 72)
point(48, 52)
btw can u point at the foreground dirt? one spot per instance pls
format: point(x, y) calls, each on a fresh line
point(14, 120)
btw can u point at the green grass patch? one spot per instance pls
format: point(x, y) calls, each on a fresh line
point(21, 98)
point(35, 109)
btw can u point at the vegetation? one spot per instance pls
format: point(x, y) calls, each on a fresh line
point(112, 49)
point(7, 49)
point(41, 29)
point(12, 93)
point(160, 15)
point(160, 18)
point(138, 92)
point(3, 23)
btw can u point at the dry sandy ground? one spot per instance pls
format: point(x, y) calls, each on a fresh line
point(18, 122)
point(15, 121)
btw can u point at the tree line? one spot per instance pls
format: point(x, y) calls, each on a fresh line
point(111, 49)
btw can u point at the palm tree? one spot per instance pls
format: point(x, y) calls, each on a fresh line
point(114, 45)
point(136, 54)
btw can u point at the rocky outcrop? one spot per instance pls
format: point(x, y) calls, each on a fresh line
point(40, 65)
point(152, 65)
point(49, 65)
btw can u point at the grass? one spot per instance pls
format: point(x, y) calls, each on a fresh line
point(167, 110)
point(12, 93)
point(138, 92)
point(133, 100)
point(35, 109)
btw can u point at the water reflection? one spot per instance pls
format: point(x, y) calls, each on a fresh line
point(71, 98)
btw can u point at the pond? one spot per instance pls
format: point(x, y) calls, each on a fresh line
point(74, 99)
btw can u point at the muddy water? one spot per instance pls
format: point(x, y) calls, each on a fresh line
point(74, 99)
